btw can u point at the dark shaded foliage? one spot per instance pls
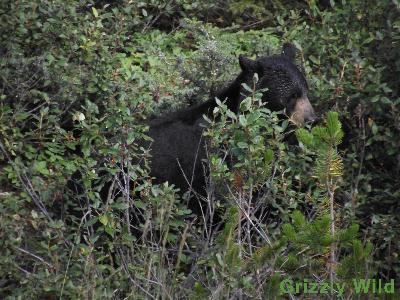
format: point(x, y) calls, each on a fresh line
point(77, 80)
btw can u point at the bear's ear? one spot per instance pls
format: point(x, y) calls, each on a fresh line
point(246, 64)
point(289, 50)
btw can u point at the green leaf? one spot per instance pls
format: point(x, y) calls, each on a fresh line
point(245, 105)
point(219, 259)
point(41, 167)
point(131, 137)
point(243, 120)
point(128, 238)
point(374, 129)
point(110, 230)
point(305, 137)
point(95, 13)
point(140, 204)
point(242, 145)
point(104, 220)
point(268, 156)
point(247, 88)
point(334, 127)
point(183, 212)
point(120, 205)
point(91, 222)
point(231, 114)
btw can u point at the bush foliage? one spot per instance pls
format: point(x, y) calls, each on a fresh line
point(78, 79)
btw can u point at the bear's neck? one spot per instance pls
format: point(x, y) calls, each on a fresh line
point(233, 94)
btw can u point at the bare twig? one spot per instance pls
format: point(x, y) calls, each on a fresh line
point(26, 183)
point(150, 23)
point(257, 227)
point(35, 256)
point(126, 269)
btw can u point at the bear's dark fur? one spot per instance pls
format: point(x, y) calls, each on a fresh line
point(178, 146)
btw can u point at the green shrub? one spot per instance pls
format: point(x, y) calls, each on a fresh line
point(79, 78)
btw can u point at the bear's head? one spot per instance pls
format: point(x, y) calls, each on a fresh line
point(286, 87)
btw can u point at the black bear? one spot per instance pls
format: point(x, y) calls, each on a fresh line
point(178, 146)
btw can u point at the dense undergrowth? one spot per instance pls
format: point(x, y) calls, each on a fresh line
point(77, 81)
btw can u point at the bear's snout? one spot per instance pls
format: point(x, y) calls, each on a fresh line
point(303, 112)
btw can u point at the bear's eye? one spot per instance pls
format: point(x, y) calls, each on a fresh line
point(296, 95)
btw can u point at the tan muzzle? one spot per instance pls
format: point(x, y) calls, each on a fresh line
point(303, 112)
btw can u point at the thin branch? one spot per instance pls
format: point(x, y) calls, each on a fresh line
point(26, 183)
point(257, 227)
point(35, 256)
